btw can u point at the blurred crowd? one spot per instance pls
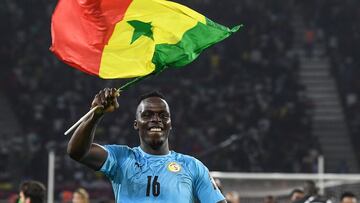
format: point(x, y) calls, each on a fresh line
point(338, 21)
point(336, 30)
point(246, 86)
point(306, 192)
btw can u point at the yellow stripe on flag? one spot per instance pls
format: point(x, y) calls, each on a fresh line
point(169, 21)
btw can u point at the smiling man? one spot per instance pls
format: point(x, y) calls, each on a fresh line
point(150, 172)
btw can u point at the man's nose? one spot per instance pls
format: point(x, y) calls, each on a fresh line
point(155, 117)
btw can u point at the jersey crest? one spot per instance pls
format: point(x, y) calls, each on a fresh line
point(174, 167)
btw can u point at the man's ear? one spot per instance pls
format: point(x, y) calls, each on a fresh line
point(136, 125)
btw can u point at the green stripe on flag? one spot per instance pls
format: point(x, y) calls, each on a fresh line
point(193, 42)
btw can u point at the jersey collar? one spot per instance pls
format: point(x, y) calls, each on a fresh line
point(144, 154)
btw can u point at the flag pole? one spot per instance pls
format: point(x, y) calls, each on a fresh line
point(122, 88)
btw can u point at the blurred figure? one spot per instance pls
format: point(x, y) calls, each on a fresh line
point(219, 184)
point(66, 196)
point(309, 41)
point(296, 194)
point(311, 194)
point(348, 197)
point(80, 196)
point(232, 197)
point(269, 199)
point(32, 192)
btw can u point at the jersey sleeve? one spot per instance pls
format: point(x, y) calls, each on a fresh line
point(206, 190)
point(113, 165)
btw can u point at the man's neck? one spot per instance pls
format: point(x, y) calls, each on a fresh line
point(163, 150)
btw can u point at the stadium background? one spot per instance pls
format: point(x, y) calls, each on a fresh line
point(286, 87)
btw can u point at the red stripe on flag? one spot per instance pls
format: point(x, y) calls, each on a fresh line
point(81, 28)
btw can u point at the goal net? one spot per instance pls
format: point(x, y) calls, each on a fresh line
point(254, 187)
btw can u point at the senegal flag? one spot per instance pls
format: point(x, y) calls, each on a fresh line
point(130, 38)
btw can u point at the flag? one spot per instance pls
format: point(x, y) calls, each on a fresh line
point(130, 38)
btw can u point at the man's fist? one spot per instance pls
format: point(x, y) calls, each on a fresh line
point(106, 99)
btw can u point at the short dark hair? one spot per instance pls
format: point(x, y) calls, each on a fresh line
point(151, 94)
point(310, 187)
point(347, 194)
point(296, 191)
point(34, 190)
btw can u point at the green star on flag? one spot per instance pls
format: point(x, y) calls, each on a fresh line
point(140, 29)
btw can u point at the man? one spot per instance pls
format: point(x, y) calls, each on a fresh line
point(269, 199)
point(232, 197)
point(80, 196)
point(296, 194)
point(311, 194)
point(32, 192)
point(348, 197)
point(150, 172)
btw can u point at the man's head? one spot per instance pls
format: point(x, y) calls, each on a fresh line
point(153, 120)
point(296, 194)
point(348, 197)
point(232, 197)
point(269, 199)
point(310, 188)
point(32, 192)
point(80, 196)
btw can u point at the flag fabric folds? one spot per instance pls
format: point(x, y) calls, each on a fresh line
point(130, 38)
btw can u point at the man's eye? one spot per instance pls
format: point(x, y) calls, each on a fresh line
point(146, 115)
point(164, 115)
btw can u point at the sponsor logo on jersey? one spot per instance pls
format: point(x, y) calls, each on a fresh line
point(174, 167)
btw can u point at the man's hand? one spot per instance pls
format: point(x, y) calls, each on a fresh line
point(106, 99)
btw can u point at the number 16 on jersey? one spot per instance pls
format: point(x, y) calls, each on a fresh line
point(154, 186)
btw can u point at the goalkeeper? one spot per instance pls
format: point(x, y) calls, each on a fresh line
point(149, 172)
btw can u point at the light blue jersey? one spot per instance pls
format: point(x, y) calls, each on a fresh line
point(138, 177)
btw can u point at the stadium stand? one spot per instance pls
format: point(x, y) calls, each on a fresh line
point(337, 32)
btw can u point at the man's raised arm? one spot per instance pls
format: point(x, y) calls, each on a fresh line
point(81, 147)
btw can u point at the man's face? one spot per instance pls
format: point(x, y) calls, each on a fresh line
point(153, 122)
point(349, 200)
point(77, 198)
point(296, 196)
point(22, 198)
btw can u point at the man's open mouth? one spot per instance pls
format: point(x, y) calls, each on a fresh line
point(155, 129)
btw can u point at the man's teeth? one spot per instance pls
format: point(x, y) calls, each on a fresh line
point(155, 129)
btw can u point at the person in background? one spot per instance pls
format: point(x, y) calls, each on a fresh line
point(296, 194)
point(348, 197)
point(269, 199)
point(32, 192)
point(80, 196)
point(311, 194)
point(232, 197)
point(219, 184)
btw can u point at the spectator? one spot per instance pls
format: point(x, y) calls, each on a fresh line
point(269, 199)
point(311, 194)
point(296, 194)
point(80, 196)
point(32, 192)
point(348, 197)
point(232, 197)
